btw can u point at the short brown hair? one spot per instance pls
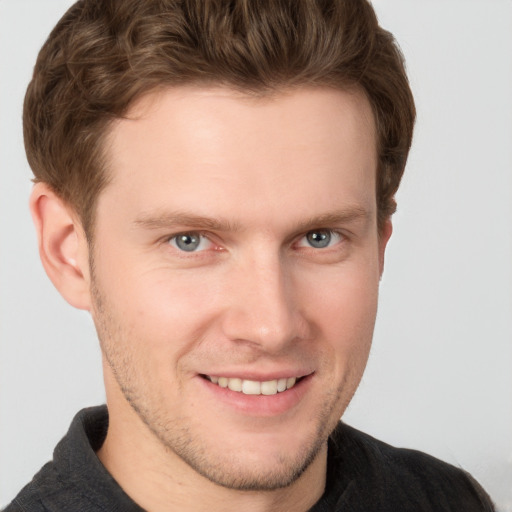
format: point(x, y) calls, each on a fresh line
point(105, 54)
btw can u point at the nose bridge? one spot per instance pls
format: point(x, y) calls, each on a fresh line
point(264, 308)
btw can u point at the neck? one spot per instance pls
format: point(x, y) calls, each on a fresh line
point(160, 481)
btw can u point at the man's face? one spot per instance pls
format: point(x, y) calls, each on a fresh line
point(237, 246)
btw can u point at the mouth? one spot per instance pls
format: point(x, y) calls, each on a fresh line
point(254, 387)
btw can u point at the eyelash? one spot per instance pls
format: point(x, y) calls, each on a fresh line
point(173, 238)
point(331, 232)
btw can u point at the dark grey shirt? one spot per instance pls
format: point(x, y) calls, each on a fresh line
point(363, 475)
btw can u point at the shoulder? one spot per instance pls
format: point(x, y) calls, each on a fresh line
point(59, 485)
point(76, 479)
point(403, 478)
point(49, 492)
point(40, 493)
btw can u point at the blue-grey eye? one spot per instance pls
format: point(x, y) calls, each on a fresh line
point(319, 239)
point(188, 242)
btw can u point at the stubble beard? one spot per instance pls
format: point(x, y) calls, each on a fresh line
point(175, 436)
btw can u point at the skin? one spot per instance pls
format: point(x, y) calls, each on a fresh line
point(251, 177)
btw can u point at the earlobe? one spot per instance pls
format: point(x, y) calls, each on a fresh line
point(62, 244)
point(384, 237)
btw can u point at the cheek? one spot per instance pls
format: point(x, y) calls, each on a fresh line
point(169, 312)
point(346, 296)
point(344, 311)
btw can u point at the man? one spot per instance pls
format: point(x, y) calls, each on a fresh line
point(215, 183)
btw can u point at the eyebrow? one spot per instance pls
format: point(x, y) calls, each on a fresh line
point(161, 220)
point(345, 216)
point(167, 220)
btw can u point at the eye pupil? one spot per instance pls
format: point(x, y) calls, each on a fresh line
point(188, 241)
point(319, 239)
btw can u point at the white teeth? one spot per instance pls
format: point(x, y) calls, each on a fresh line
point(269, 387)
point(290, 382)
point(235, 384)
point(281, 385)
point(253, 387)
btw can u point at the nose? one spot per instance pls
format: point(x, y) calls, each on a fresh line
point(264, 309)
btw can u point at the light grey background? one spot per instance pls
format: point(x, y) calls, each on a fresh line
point(439, 378)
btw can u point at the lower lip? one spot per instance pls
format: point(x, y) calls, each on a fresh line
point(260, 405)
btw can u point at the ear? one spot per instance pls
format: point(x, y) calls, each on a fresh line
point(384, 237)
point(63, 247)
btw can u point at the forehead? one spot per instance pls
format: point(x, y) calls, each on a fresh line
point(307, 113)
point(218, 148)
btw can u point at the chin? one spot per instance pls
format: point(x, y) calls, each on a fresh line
point(265, 471)
point(253, 460)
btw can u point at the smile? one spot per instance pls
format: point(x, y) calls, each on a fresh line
point(254, 387)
